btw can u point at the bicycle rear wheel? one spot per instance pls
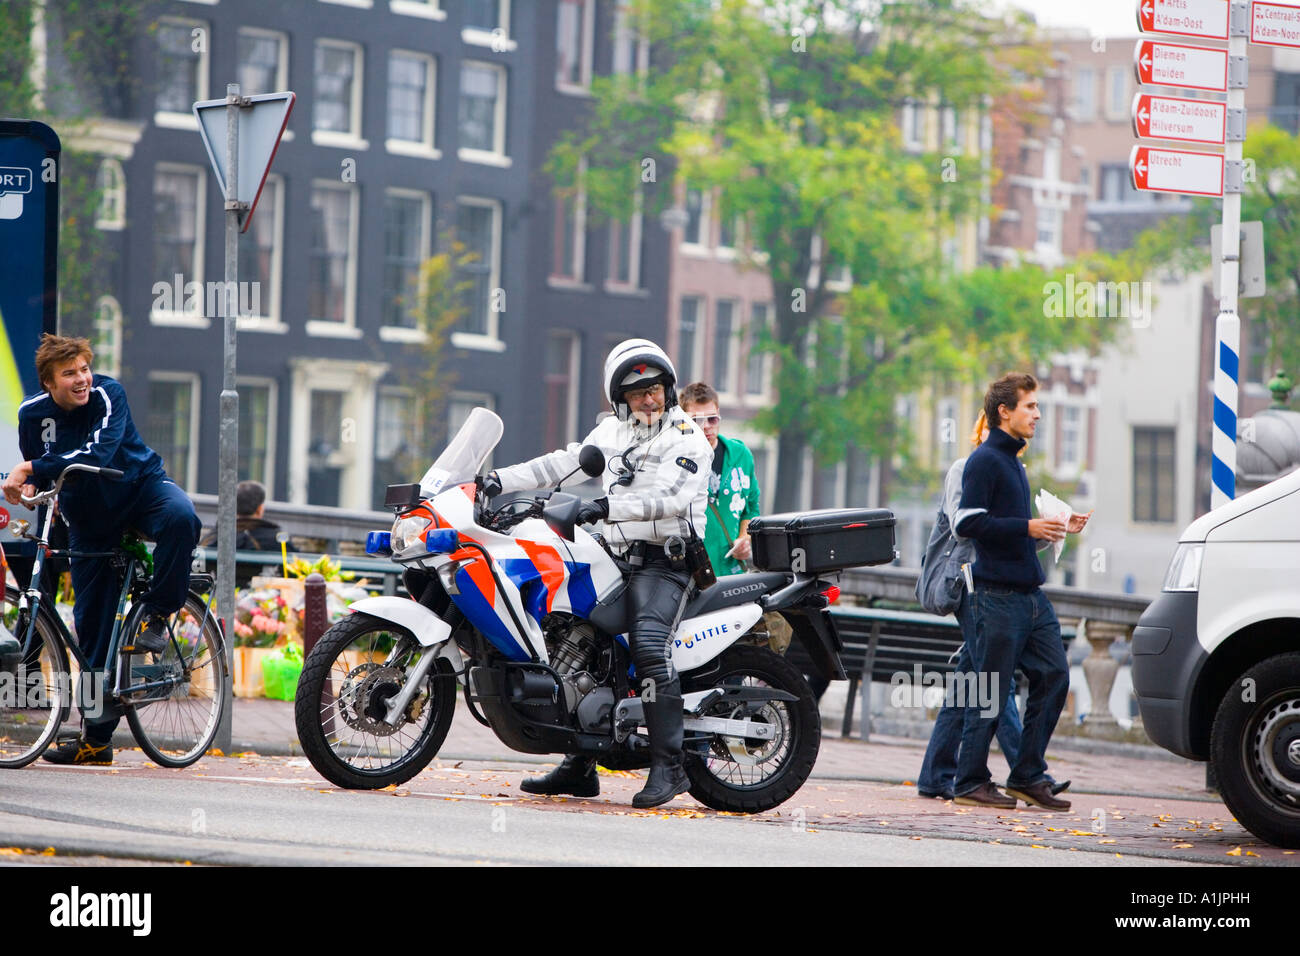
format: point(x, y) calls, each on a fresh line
point(35, 689)
point(174, 698)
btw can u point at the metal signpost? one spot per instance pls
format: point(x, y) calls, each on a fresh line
point(252, 127)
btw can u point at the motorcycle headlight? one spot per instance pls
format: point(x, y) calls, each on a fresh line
point(407, 530)
point(1185, 569)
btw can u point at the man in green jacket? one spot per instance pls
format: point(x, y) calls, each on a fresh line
point(733, 486)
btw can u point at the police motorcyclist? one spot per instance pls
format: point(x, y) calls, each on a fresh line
point(657, 477)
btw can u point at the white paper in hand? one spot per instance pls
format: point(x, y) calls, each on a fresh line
point(1050, 506)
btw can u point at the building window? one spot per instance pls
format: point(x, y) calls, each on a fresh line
point(172, 430)
point(631, 48)
point(946, 430)
point(406, 246)
point(482, 111)
point(478, 228)
point(1116, 184)
point(1153, 474)
point(562, 358)
point(182, 67)
point(108, 337)
point(263, 61)
point(259, 256)
point(953, 128)
point(625, 250)
point(1085, 93)
point(696, 219)
point(486, 15)
point(569, 234)
point(1117, 98)
point(411, 98)
point(913, 126)
point(177, 238)
point(756, 365)
point(724, 346)
point(730, 229)
point(1071, 420)
point(1048, 239)
point(325, 462)
point(111, 183)
point(396, 441)
point(332, 257)
point(256, 430)
point(336, 111)
point(573, 41)
point(688, 337)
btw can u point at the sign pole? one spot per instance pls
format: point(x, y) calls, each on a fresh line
point(227, 469)
point(1227, 328)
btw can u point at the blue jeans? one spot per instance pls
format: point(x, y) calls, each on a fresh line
point(939, 768)
point(1014, 629)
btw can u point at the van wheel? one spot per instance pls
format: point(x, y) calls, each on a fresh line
point(1255, 749)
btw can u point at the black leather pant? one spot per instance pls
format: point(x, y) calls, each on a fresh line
point(655, 592)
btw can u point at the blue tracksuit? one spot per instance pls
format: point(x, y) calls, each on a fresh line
point(99, 510)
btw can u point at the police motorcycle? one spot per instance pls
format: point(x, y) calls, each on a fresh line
point(526, 612)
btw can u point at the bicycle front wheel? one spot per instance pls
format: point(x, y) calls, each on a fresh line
point(35, 689)
point(174, 698)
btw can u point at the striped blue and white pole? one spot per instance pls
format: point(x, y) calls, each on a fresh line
point(1223, 437)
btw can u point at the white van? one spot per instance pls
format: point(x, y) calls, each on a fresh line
point(1216, 657)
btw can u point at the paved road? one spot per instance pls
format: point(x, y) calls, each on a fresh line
point(277, 810)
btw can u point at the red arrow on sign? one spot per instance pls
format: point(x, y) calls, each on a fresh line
point(1147, 17)
point(1140, 168)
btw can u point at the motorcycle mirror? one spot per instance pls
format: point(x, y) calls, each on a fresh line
point(592, 461)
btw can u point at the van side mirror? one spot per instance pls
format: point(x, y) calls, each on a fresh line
point(592, 461)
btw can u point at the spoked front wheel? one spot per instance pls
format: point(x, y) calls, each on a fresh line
point(341, 710)
point(174, 698)
point(35, 687)
point(750, 775)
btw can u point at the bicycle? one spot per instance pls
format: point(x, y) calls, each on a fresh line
point(172, 700)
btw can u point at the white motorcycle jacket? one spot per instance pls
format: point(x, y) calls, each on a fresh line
point(670, 463)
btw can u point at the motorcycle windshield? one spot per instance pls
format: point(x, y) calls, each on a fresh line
point(463, 457)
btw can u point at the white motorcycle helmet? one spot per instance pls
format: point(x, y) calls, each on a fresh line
point(638, 363)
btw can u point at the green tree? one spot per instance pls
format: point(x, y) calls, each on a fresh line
point(788, 112)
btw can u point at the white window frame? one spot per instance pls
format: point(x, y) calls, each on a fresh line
point(635, 226)
point(842, 281)
point(400, 394)
point(700, 248)
point(282, 64)
point(363, 4)
point(272, 408)
point(575, 373)
point(347, 329)
point(489, 38)
point(428, 9)
point(578, 280)
point(586, 54)
point(497, 155)
point(1064, 465)
point(352, 139)
point(622, 27)
point(491, 340)
point(273, 320)
point(913, 120)
point(112, 201)
point(738, 228)
point(423, 148)
point(357, 381)
point(685, 374)
point(764, 395)
point(110, 305)
point(177, 317)
point(1084, 111)
point(397, 333)
point(196, 395)
point(1116, 112)
point(169, 119)
point(732, 346)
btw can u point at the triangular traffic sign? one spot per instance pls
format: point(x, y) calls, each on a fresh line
point(261, 124)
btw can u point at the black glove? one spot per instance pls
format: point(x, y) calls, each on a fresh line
point(590, 511)
point(489, 484)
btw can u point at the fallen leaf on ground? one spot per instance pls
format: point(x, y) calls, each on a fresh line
point(1183, 846)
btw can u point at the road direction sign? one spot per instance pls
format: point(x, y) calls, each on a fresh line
point(1207, 19)
point(261, 124)
point(1172, 117)
point(1176, 171)
point(1275, 24)
point(1186, 67)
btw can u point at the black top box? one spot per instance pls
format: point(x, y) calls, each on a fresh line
point(828, 540)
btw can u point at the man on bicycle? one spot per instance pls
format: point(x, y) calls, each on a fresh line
point(83, 418)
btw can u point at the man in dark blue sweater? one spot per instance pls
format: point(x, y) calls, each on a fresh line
point(1014, 624)
point(83, 418)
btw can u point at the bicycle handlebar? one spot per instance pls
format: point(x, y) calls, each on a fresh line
point(43, 496)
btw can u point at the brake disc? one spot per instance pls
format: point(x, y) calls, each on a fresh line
point(364, 697)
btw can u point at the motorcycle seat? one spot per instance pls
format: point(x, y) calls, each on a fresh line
point(736, 589)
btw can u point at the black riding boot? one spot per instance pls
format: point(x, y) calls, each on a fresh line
point(576, 776)
point(663, 721)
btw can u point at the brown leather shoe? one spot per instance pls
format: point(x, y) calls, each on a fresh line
point(1039, 795)
point(986, 796)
